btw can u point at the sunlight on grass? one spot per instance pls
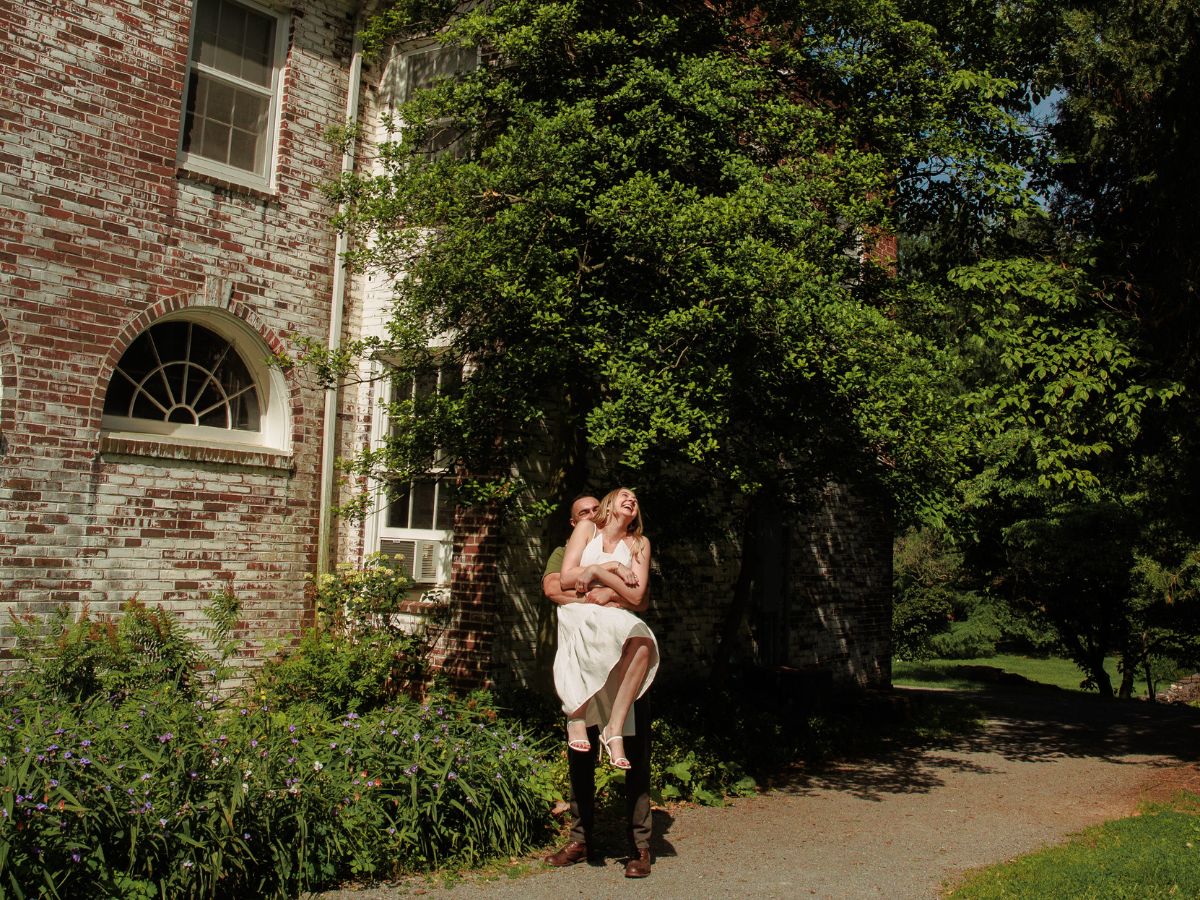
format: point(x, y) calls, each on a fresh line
point(1155, 854)
point(974, 674)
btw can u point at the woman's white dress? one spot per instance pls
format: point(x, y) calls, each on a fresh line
point(590, 639)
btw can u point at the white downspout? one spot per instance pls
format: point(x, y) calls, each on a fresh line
point(337, 308)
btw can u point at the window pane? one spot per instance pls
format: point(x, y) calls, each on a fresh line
point(229, 38)
point(236, 40)
point(423, 503)
point(451, 385)
point(214, 141)
point(244, 150)
point(424, 68)
point(183, 373)
point(228, 124)
point(208, 16)
point(249, 112)
point(259, 50)
point(426, 383)
point(445, 507)
point(397, 510)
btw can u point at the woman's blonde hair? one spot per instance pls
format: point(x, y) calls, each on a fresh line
point(604, 513)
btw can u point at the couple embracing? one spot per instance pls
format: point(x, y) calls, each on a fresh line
point(606, 659)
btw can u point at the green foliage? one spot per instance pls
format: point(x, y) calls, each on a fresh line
point(690, 764)
point(119, 776)
point(365, 653)
point(176, 798)
point(970, 639)
point(926, 587)
point(1153, 854)
point(361, 597)
point(658, 230)
point(71, 657)
point(336, 672)
point(1060, 384)
point(1125, 177)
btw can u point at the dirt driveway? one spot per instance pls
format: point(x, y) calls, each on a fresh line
point(1048, 764)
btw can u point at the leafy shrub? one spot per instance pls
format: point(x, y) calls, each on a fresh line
point(925, 592)
point(71, 657)
point(364, 654)
point(341, 672)
point(358, 597)
point(114, 785)
point(973, 638)
point(161, 796)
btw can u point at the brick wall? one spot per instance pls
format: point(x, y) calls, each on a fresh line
point(832, 615)
point(100, 236)
point(466, 653)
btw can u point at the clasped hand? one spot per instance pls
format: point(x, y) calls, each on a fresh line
point(600, 596)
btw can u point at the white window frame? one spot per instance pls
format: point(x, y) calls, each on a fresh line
point(273, 432)
point(395, 82)
point(194, 162)
point(433, 548)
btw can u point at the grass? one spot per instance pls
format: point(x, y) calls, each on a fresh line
point(1155, 854)
point(959, 673)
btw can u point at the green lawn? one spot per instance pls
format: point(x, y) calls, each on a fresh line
point(1155, 854)
point(973, 674)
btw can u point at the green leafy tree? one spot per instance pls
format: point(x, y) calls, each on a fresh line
point(1079, 331)
point(661, 233)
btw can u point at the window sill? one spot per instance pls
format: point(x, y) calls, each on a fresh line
point(226, 186)
point(160, 447)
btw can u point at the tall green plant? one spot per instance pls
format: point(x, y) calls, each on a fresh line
point(164, 797)
point(73, 656)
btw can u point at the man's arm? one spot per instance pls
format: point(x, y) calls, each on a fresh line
point(552, 588)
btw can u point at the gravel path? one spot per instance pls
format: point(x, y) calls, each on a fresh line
point(1048, 764)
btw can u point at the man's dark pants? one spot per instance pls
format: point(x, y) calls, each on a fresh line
point(582, 768)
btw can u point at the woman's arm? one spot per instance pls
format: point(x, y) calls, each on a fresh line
point(632, 596)
point(571, 569)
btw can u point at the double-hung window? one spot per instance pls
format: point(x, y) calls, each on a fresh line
point(415, 519)
point(415, 67)
point(231, 107)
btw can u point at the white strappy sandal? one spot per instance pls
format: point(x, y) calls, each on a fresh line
point(580, 745)
point(619, 760)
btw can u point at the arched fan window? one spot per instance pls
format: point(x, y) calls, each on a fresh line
point(181, 378)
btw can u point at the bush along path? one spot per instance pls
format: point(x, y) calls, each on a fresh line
point(158, 797)
point(124, 774)
point(903, 823)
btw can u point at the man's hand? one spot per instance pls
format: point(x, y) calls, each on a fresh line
point(603, 596)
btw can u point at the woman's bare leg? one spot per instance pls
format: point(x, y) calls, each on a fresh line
point(630, 670)
point(577, 738)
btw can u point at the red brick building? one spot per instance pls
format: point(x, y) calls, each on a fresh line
point(162, 235)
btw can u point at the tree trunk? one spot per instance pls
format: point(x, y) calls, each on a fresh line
point(735, 615)
point(1099, 675)
point(1128, 669)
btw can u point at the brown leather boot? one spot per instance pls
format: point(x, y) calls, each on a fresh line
point(638, 865)
point(572, 853)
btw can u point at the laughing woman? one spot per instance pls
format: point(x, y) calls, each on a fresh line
point(607, 656)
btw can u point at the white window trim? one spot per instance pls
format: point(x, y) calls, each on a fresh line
point(193, 162)
point(273, 433)
point(375, 529)
point(397, 82)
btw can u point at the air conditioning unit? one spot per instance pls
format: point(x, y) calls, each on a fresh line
point(423, 561)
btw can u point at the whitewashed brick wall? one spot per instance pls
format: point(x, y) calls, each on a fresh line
point(100, 235)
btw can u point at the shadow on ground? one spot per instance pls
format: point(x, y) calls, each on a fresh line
point(1027, 725)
